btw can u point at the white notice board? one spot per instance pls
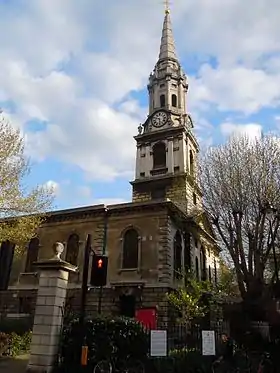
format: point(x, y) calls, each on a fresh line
point(158, 343)
point(208, 343)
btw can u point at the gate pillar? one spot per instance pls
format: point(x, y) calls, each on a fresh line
point(48, 317)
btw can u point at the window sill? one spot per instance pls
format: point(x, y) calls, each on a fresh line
point(18, 315)
point(159, 171)
point(129, 270)
point(35, 274)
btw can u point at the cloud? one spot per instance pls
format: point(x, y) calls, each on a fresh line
point(252, 130)
point(74, 66)
point(233, 31)
point(85, 191)
point(72, 196)
point(236, 89)
point(98, 139)
point(52, 186)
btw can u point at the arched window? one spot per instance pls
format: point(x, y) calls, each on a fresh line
point(174, 100)
point(191, 163)
point(159, 155)
point(130, 249)
point(6, 261)
point(196, 268)
point(177, 254)
point(209, 274)
point(162, 100)
point(32, 254)
point(72, 250)
point(187, 251)
point(194, 199)
point(215, 272)
point(203, 264)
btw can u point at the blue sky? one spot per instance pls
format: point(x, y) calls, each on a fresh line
point(73, 78)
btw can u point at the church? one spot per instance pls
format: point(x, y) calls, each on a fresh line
point(149, 241)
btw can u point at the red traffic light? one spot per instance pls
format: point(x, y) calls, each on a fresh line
point(99, 263)
point(99, 270)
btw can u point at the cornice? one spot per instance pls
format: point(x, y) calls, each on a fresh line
point(75, 214)
point(159, 178)
point(159, 134)
point(100, 211)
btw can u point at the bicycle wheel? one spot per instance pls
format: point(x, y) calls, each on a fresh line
point(221, 367)
point(103, 366)
point(217, 367)
point(135, 366)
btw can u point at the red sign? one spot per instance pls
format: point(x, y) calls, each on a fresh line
point(148, 317)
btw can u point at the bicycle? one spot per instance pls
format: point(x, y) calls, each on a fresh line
point(243, 361)
point(223, 366)
point(265, 365)
point(128, 365)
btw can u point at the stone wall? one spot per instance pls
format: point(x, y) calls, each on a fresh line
point(140, 196)
point(148, 297)
point(150, 223)
point(15, 303)
point(177, 192)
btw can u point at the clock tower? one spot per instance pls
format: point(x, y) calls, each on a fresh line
point(166, 146)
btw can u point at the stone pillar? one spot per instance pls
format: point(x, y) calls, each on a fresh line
point(48, 318)
point(170, 156)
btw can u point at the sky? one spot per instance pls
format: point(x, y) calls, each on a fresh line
point(73, 77)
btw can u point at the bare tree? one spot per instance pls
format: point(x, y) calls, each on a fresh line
point(241, 183)
point(21, 210)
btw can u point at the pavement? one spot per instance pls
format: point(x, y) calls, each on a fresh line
point(14, 365)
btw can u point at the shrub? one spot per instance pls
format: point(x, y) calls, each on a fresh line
point(4, 343)
point(182, 360)
point(20, 343)
point(14, 344)
point(191, 360)
point(116, 338)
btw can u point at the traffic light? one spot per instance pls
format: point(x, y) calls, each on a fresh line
point(99, 270)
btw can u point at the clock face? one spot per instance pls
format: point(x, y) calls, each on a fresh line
point(159, 119)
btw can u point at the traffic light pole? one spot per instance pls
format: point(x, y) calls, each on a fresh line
point(85, 279)
point(103, 253)
point(83, 346)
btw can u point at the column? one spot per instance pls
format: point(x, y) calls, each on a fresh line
point(138, 162)
point(170, 156)
point(150, 159)
point(48, 318)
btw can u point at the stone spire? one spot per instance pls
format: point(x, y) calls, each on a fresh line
point(167, 46)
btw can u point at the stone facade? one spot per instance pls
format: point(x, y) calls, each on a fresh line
point(166, 206)
point(141, 196)
point(156, 223)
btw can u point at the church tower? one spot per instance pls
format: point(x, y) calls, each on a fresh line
point(166, 159)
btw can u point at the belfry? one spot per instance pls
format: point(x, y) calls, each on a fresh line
point(166, 146)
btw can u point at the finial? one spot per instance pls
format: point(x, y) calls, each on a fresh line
point(167, 6)
point(58, 249)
